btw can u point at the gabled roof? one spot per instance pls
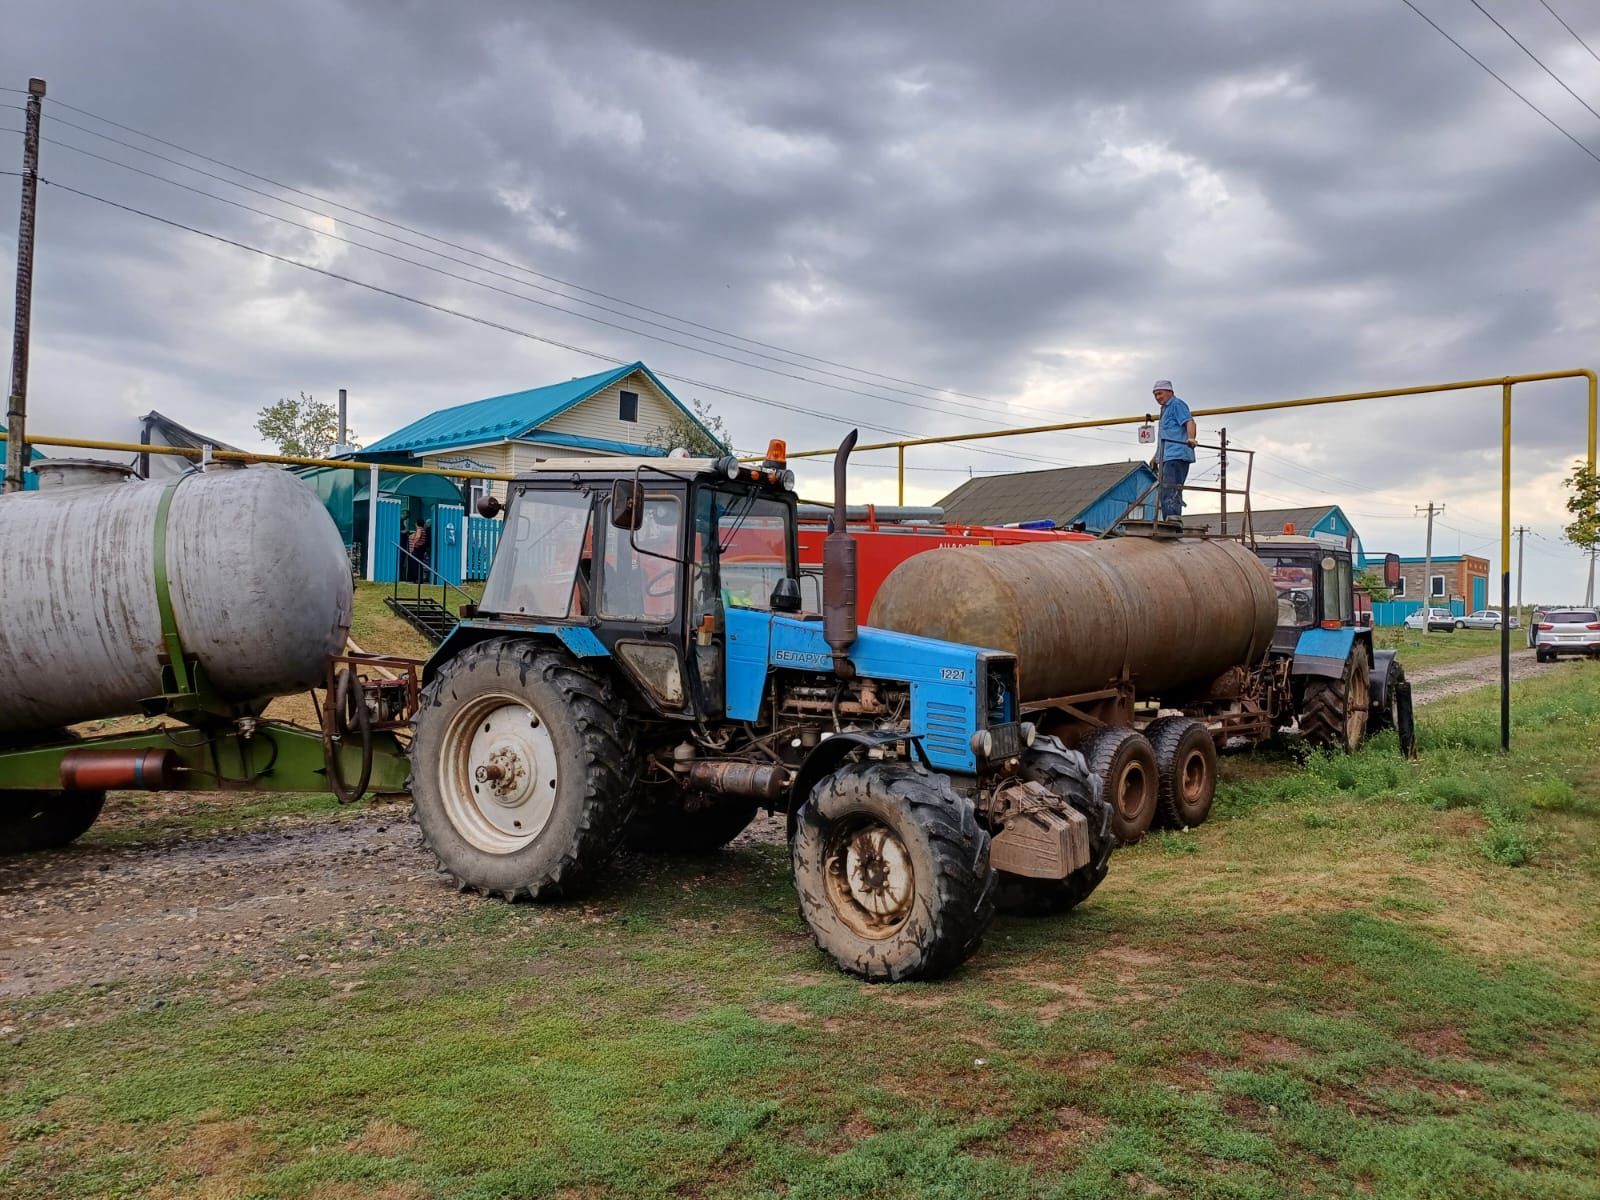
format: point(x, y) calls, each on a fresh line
point(1264, 521)
point(1060, 495)
point(499, 418)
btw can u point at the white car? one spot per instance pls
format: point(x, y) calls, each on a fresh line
point(1487, 618)
point(1568, 631)
point(1435, 619)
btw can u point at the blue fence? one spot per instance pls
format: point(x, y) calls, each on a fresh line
point(386, 564)
point(1395, 612)
point(445, 541)
point(483, 535)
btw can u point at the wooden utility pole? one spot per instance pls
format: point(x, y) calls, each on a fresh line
point(1522, 535)
point(1427, 563)
point(17, 409)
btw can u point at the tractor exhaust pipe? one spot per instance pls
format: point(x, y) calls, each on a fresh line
point(839, 569)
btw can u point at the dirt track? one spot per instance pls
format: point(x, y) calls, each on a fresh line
point(1451, 679)
point(288, 895)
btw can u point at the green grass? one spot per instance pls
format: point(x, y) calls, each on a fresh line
point(1418, 649)
point(1365, 976)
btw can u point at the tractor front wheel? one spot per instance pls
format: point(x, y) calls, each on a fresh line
point(1387, 715)
point(892, 870)
point(523, 770)
point(1066, 774)
point(1334, 712)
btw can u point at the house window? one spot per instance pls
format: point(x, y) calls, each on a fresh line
point(1399, 587)
point(476, 491)
point(628, 410)
point(1436, 587)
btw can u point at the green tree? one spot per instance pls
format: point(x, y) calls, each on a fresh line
point(681, 432)
point(306, 428)
point(1583, 502)
point(1371, 583)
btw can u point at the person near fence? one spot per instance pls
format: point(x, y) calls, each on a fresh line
point(421, 543)
point(1174, 449)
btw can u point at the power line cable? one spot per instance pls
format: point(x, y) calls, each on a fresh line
point(1571, 30)
point(1549, 119)
point(491, 324)
point(493, 258)
point(1535, 58)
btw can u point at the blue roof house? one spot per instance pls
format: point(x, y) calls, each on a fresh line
point(619, 411)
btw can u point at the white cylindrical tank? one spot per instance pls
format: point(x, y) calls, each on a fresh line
point(258, 577)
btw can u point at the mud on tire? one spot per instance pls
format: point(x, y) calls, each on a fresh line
point(1066, 774)
point(892, 871)
point(524, 770)
point(1387, 716)
point(1125, 763)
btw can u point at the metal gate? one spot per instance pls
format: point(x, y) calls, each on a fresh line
point(386, 546)
point(448, 520)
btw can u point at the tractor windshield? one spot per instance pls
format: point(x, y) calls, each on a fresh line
point(543, 565)
point(752, 540)
point(1296, 582)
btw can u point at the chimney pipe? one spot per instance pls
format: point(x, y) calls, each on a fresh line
point(839, 569)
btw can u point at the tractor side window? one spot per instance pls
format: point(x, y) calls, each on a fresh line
point(1296, 585)
point(1336, 590)
point(542, 566)
point(641, 568)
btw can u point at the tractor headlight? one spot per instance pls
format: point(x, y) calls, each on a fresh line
point(786, 481)
point(1029, 733)
point(982, 743)
point(727, 465)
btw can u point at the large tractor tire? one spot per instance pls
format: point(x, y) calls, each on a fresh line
point(45, 820)
point(1186, 760)
point(892, 870)
point(1387, 715)
point(1125, 763)
point(1334, 712)
point(523, 770)
point(1066, 774)
point(674, 820)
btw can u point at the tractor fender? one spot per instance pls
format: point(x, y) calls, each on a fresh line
point(578, 640)
point(830, 754)
point(1378, 683)
point(1323, 653)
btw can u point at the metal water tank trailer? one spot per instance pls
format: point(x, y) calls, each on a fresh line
point(255, 570)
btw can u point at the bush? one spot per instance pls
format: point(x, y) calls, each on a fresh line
point(1507, 842)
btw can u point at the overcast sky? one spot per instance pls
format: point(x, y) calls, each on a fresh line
point(1039, 208)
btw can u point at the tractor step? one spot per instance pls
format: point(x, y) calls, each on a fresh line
point(424, 614)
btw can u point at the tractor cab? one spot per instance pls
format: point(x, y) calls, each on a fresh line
point(640, 560)
point(1315, 586)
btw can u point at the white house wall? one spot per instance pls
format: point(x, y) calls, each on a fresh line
point(597, 416)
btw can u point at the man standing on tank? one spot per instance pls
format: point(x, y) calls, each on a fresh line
point(1174, 449)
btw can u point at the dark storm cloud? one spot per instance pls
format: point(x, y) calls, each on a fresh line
point(1044, 204)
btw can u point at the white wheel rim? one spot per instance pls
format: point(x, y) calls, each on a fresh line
point(497, 774)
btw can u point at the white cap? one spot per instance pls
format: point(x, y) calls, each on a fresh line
point(1161, 385)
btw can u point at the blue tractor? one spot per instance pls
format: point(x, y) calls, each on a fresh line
point(640, 667)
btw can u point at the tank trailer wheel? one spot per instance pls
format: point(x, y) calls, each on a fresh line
point(523, 770)
point(31, 820)
point(892, 871)
point(1186, 759)
point(45, 820)
point(671, 819)
point(1066, 774)
point(1125, 762)
point(1333, 712)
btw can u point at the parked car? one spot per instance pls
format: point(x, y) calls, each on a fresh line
point(1437, 620)
point(1568, 631)
point(1487, 618)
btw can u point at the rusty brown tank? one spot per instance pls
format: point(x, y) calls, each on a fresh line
point(1169, 615)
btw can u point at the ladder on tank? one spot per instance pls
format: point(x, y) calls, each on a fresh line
point(1232, 525)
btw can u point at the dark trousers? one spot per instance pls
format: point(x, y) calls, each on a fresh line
point(1173, 473)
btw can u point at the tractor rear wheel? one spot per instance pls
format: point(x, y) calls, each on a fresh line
point(1333, 712)
point(673, 820)
point(892, 870)
point(1186, 758)
point(1126, 763)
point(523, 770)
point(1066, 774)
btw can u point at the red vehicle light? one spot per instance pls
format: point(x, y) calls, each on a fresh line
point(1594, 626)
point(1547, 627)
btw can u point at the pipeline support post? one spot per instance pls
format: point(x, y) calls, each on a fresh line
point(372, 524)
point(22, 319)
point(901, 473)
point(1505, 568)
